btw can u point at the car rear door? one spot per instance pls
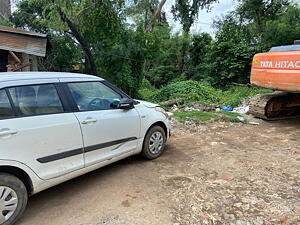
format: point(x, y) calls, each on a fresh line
point(107, 131)
point(43, 134)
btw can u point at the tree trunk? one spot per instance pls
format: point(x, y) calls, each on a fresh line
point(150, 25)
point(84, 44)
point(182, 60)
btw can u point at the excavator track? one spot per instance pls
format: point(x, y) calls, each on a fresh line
point(275, 106)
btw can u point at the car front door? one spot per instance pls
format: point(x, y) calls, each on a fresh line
point(107, 131)
point(42, 133)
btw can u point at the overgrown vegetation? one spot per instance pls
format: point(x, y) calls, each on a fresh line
point(131, 44)
point(193, 91)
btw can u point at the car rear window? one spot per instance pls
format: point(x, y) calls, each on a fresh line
point(5, 107)
point(36, 99)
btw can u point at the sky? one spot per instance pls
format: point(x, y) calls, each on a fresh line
point(205, 19)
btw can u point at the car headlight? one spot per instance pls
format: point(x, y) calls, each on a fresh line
point(160, 109)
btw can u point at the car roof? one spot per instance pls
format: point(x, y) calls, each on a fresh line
point(9, 76)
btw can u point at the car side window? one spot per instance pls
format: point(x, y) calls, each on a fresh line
point(94, 96)
point(5, 107)
point(36, 99)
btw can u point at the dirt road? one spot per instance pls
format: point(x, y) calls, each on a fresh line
point(225, 174)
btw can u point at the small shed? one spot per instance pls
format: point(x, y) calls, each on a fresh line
point(19, 49)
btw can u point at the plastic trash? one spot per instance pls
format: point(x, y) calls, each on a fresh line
point(191, 109)
point(253, 123)
point(241, 109)
point(190, 120)
point(226, 108)
point(240, 118)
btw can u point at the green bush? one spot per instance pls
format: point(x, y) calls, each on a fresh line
point(147, 92)
point(189, 91)
point(199, 92)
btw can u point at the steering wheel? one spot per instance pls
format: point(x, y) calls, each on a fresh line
point(98, 103)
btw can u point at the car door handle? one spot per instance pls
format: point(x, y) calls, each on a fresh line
point(8, 132)
point(89, 120)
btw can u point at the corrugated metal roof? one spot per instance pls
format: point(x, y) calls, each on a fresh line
point(23, 41)
point(20, 31)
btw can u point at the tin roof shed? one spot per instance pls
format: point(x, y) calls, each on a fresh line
point(22, 41)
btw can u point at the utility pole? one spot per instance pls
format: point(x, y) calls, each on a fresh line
point(5, 8)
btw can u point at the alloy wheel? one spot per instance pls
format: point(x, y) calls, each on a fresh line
point(8, 203)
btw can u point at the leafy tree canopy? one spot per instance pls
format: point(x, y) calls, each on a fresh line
point(130, 42)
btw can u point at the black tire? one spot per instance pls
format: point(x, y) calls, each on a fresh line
point(19, 188)
point(146, 152)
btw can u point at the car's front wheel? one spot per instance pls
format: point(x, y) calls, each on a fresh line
point(13, 198)
point(154, 143)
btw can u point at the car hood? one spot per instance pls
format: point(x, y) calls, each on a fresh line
point(148, 104)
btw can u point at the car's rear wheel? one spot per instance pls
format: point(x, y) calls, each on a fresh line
point(154, 143)
point(13, 199)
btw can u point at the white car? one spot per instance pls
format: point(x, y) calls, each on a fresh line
point(57, 126)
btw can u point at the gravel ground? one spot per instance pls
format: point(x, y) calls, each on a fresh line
point(218, 173)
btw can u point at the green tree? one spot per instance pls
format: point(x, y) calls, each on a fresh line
point(230, 54)
point(140, 11)
point(88, 34)
point(284, 30)
point(260, 11)
point(63, 53)
point(200, 47)
point(186, 11)
point(241, 34)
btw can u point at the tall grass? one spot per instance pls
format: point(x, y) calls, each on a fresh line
point(192, 91)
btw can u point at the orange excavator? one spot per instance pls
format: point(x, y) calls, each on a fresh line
point(279, 70)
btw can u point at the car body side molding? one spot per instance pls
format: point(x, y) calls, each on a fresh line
point(108, 144)
point(70, 153)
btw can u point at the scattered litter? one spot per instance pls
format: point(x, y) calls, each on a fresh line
point(190, 120)
point(240, 118)
point(174, 108)
point(240, 222)
point(169, 114)
point(253, 123)
point(191, 109)
point(243, 108)
point(226, 108)
point(202, 107)
point(214, 106)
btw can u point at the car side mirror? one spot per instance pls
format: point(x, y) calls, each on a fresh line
point(126, 104)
